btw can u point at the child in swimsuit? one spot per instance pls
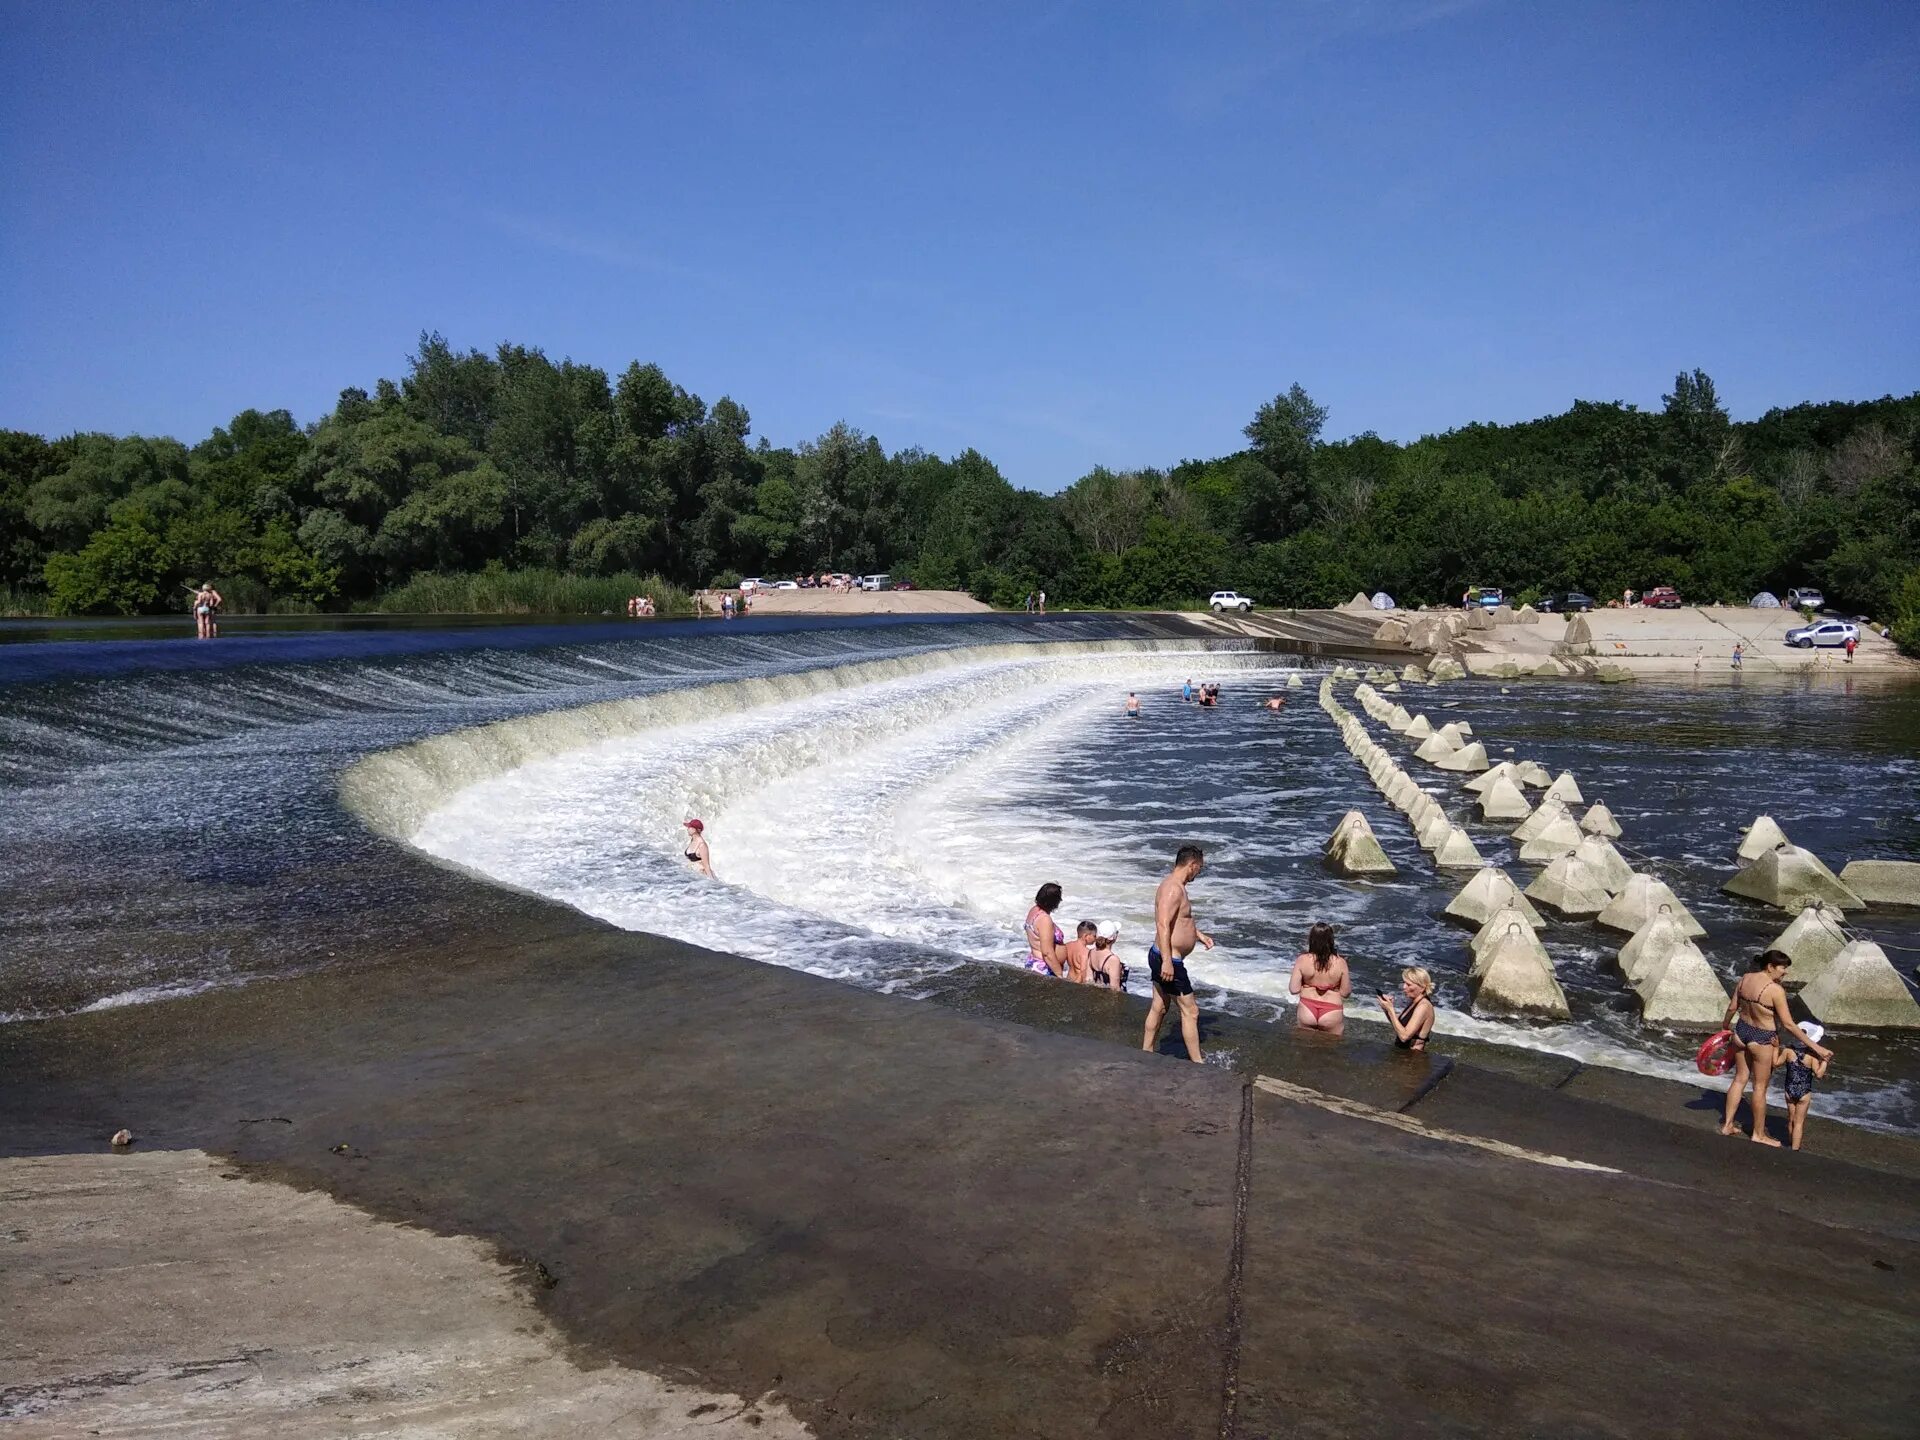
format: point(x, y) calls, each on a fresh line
point(1802, 1069)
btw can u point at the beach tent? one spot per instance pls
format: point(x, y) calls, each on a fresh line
point(1382, 600)
point(1765, 600)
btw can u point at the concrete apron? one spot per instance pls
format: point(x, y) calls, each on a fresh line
point(881, 1217)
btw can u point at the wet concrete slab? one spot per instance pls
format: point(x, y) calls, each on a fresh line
point(991, 1214)
point(1400, 1285)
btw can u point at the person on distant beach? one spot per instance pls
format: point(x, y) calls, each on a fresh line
point(1739, 651)
point(206, 612)
point(1046, 945)
point(1412, 1022)
point(1802, 1069)
point(1029, 602)
point(1851, 645)
point(1133, 706)
point(1104, 966)
point(1321, 981)
point(1174, 935)
point(1078, 952)
point(697, 853)
point(1758, 1013)
point(1043, 602)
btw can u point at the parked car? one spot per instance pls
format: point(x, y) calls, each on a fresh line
point(1568, 601)
point(1487, 597)
point(1827, 632)
point(1228, 600)
point(747, 587)
point(1661, 597)
point(785, 585)
point(1806, 598)
point(903, 585)
point(875, 582)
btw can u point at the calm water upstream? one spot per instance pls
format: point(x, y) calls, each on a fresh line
point(173, 826)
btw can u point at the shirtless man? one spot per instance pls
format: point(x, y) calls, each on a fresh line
point(1174, 937)
point(1133, 706)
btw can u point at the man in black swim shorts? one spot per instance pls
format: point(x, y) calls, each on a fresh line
point(1174, 935)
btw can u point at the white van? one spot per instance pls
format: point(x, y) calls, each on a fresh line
point(875, 582)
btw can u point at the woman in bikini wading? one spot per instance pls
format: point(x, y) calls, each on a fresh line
point(1321, 981)
point(1759, 1013)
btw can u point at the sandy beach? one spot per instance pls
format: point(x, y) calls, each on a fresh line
point(1692, 639)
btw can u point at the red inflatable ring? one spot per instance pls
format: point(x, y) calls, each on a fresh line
point(1716, 1054)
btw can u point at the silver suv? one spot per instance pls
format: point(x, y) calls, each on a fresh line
point(1806, 599)
point(1827, 632)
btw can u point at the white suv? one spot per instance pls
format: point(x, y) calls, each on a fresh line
point(1828, 632)
point(1228, 600)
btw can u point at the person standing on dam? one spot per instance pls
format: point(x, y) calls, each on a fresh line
point(1175, 934)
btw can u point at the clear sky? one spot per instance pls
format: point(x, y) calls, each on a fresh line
point(1067, 234)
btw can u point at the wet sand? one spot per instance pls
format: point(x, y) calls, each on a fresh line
point(984, 1215)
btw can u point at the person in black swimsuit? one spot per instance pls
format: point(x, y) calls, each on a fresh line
point(1413, 1022)
point(697, 851)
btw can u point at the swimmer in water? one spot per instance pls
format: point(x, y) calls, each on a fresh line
point(698, 855)
point(1277, 702)
point(1133, 706)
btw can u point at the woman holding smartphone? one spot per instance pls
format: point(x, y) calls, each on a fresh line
point(1412, 1022)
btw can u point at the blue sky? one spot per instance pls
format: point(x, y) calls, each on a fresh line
point(1066, 234)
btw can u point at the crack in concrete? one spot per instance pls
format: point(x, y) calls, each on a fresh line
point(1236, 1270)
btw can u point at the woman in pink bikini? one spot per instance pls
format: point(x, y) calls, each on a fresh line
point(1321, 981)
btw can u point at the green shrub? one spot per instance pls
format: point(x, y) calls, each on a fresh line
point(527, 592)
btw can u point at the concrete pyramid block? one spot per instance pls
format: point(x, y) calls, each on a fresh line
point(1569, 887)
point(1861, 987)
point(1456, 852)
point(1497, 926)
point(1468, 757)
point(1792, 879)
point(1398, 719)
point(1681, 992)
point(1526, 612)
point(1560, 838)
point(1760, 837)
point(1452, 734)
point(1650, 945)
point(1293, 680)
point(1401, 791)
point(1883, 882)
point(1533, 773)
point(1413, 672)
point(1489, 890)
point(1599, 821)
point(1811, 941)
point(1540, 819)
point(1350, 823)
point(1354, 850)
point(1434, 831)
point(1503, 801)
point(1392, 687)
point(1578, 632)
point(1360, 604)
point(1516, 981)
point(1433, 750)
point(1464, 727)
point(1566, 790)
point(1419, 728)
point(1642, 898)
point(1596, 852)
point(1480, 782)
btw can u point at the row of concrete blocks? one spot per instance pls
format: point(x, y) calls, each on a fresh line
point(1585, 877)
point(1353, 849)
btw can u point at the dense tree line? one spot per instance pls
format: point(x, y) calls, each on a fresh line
point(511, 461)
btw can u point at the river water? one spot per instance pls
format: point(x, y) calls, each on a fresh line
point(176, 822)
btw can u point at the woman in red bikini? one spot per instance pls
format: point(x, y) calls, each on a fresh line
point(1321, 981)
